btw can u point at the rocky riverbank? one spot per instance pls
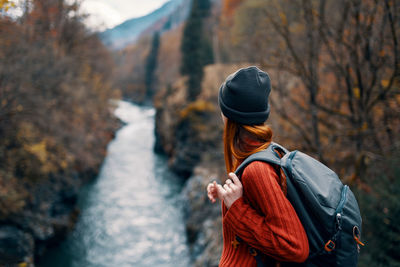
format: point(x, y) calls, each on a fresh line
point(48, 212)
point(50, 215)
point(55, 122)
point(25, 235)
point(203, 221)
point(190, 134)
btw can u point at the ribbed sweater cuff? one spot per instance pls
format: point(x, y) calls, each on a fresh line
point(235, 213)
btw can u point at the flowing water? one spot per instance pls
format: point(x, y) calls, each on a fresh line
point(132, 214)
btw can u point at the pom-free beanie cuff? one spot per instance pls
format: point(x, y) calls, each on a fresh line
point(243, 97)
point(246, 118)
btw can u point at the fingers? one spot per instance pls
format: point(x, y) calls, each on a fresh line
point(215, 191)
point(227, 188)
point(220, 192)
point(211, 192)
point(232, 189)
point(209, 186)
point(235, 179)
point(211, 197)
point(231, 185)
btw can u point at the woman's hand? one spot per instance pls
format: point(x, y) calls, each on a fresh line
point(229, 193)
point(212, 191)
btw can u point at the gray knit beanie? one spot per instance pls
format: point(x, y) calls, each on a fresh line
point(243, 97)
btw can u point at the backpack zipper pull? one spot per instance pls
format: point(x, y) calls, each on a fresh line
point(339, 221)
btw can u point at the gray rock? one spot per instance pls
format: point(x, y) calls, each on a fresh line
point(203, 223)
point(16, 246)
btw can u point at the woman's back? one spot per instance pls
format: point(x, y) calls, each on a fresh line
point(263, 219)
point(257, 216)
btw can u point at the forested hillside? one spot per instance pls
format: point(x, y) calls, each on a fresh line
point(55, 122)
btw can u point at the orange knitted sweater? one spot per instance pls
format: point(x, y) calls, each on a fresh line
point(264, 219)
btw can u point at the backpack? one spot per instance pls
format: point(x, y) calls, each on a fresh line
point(326, 208)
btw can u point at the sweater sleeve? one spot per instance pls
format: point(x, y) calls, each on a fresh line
point(275, 228)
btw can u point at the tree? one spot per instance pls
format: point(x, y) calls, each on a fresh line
point(345, 62)
point(229, 7)
point(196, 48)
point(54, 94)
point(335, 71)
point(5, 5)
point(151, 64)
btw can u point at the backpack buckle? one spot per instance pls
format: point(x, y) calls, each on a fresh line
point(356, 236)
point(330, 245)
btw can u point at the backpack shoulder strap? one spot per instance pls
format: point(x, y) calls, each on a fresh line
point(268, 155)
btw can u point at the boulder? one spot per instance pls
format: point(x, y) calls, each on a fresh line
point(203, 223)
point(16, 246)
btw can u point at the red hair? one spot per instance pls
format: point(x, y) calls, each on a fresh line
point(240, 141)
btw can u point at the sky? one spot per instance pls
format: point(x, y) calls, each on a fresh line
point(105, 14)
point(109, 13)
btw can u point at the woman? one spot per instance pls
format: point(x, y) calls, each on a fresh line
point(256, 213)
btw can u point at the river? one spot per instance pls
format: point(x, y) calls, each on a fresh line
point(132, 214)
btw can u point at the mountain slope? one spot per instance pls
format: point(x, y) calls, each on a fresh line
point(128, 32)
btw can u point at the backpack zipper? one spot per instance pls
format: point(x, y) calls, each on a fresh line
point(339, 208)
point(343, 198)
point(331, 244)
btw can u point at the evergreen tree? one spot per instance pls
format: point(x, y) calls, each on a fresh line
point(151, 64)
point(196, 48)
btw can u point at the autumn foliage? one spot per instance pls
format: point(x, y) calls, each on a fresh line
point(337, 72)
point(336, 75)
point(229, 7)
point(54, 105)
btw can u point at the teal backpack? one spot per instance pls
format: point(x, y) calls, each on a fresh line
point(327, 209)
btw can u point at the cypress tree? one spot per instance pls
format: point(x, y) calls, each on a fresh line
point(151, 64)
point(195, 47)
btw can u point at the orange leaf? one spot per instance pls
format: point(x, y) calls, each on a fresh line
point(356, 92)
point(384, 83)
